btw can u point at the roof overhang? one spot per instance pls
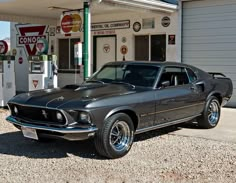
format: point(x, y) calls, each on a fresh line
point(48, 12)
point(153, 5)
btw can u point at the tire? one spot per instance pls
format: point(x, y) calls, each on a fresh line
point(115, 138)
point(211, 114)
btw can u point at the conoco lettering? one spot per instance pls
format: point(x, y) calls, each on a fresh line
point(25, 40)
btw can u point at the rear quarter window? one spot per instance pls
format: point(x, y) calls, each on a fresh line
point(192, 76)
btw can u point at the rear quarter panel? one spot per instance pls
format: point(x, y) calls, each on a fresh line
point(222, 86)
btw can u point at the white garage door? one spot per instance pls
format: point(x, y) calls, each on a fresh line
point(209, 37)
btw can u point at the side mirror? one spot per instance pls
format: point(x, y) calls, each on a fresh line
point(165, 84)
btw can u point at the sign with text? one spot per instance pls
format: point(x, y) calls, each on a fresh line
point(29, 35)
point(122, 24)
point(105, 32)
point(71, 23)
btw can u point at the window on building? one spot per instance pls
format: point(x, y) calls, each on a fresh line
point(157, 44)
point(66, 53)
point(158, 47)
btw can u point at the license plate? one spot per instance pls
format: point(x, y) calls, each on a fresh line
point(29, 133)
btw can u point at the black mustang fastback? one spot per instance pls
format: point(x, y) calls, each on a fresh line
point(120, 100)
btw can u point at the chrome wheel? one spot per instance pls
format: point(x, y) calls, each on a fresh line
point(213, 112)
point(115, 138)
point(120, 136)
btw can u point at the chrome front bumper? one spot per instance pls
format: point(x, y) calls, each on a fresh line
point(68, 133)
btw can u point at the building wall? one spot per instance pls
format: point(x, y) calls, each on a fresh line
point(129, 33)
point(22, 69)
point(208, 37)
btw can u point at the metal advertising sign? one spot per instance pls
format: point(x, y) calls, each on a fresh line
point(29, 36)
point(106, 48)
point(165, 21)
point(71, 23)
point(171, 39)
point(122, 24)
point(124, 49)
point(42, 46)
point(35, 83)
point(3, 47)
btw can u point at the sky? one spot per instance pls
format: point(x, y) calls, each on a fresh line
point(4, 29)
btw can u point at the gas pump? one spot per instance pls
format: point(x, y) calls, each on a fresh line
point(42, 68)
point(7, 75)
point(78, 52)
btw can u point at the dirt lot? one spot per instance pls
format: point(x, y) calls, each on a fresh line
point(158, 156)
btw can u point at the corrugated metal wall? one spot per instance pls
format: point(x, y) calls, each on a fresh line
point(209, 37)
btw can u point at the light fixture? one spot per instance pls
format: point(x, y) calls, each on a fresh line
point(58, 8)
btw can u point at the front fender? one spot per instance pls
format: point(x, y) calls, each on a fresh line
point(122, 109)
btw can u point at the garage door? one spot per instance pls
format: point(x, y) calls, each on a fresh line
point(209, 37)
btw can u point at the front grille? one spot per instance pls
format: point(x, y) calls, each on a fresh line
point(37, 115)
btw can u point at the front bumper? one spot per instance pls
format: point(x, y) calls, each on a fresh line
point(69, 133)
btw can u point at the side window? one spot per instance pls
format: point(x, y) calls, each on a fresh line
point(175, 76)
point(192, 76)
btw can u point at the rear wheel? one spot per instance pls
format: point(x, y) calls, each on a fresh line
point(115, 139)
point(211, 114)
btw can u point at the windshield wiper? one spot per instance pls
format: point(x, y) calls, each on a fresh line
point(123, 83)
point(95, 81)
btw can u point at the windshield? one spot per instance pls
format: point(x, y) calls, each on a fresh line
point(138, 75)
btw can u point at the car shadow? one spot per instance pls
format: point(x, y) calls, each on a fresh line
point(15, 144)
point(190, 125)
point(155, 133)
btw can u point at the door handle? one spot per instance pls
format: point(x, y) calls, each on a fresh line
point(193, 88)
point(199, 85)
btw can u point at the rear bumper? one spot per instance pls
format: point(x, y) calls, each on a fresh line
point(69, 133)
point(225, 100)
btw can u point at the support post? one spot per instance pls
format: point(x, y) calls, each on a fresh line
point(87, 37)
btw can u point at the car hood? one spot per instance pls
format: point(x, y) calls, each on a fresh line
point(57, 98)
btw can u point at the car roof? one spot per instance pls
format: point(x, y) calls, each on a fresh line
point(154, 63)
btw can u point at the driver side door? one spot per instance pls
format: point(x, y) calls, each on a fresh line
point(178, 99)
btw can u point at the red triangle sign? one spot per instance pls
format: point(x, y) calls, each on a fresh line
point(35, 83)
point(27, 40)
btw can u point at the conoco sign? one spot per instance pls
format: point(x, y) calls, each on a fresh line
point(29, 36)
point(71, 23)
point(3, 47)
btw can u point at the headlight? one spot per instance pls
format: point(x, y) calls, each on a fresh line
point(83, 116)
point(80, 117)
point(16, 110)
point(59, 116)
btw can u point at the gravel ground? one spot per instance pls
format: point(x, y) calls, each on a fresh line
point(154, 157)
